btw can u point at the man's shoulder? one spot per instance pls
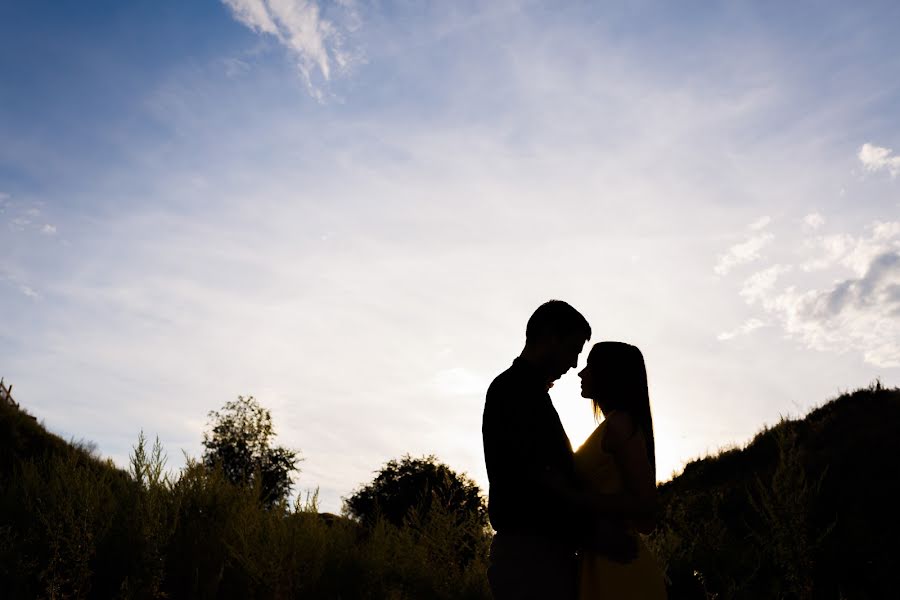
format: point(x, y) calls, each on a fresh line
point(506, 382)
point(501, 396)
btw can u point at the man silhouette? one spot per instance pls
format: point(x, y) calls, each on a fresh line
point(534, 503)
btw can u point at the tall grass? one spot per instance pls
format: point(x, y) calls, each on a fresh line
point(750, 540)
point(77, 527)
point(806, 510)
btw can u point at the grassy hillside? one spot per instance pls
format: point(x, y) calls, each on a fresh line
point(806, 510)
point(74, 526)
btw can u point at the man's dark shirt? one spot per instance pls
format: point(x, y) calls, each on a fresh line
point(525, 446)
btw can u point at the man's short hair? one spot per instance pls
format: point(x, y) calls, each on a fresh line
point(556, 318)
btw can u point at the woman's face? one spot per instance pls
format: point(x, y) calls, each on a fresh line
point(588, 380)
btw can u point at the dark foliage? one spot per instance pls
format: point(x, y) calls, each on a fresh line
point(412, 491)
point(240, 445)
point(66, 526)
point(73, 526)
point(806, 510)
point(416, 485)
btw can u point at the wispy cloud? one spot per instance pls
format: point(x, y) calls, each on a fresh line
point(459, 381)
point(749, 326)
point(27, 291)
point(760, 223)
point(317, 44)
point(828, 250)
point(813, 221)
point(748, 250)
point(760, 284)
point(859, 253)
point(838, 292)
point(23, 215)
point(876, 158)
point(859, 313)
point(235, 67)
point(318, 262)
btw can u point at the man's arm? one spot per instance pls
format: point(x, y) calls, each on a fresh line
point(600, 518)
point(637, 500)
point(586, 503)
point(511, 433)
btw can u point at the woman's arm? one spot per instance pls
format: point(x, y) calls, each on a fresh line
point(629, 449)
point(637, 502)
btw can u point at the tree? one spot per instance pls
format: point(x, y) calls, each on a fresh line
point(240, 444)
point(417, 486)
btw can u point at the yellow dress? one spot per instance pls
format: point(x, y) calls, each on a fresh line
point(599, 577)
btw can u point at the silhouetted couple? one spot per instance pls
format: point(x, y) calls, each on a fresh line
point(567, 523)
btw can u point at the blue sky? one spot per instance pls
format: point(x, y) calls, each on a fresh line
point(350, 209)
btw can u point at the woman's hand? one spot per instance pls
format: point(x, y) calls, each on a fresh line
point(611, 538)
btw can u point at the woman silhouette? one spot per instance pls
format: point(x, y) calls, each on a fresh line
point(619, 458)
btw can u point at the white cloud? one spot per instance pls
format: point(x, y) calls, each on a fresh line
point(859, 313)
point(813, 221)
point(24, 216)
point(19, 223)
point(254, 14)
point(418, 206)
point(851, 252)
point(876, 158)
point(760, 223)
point(28, 291)
point(316, 43)
point(749, 326)
point(759, 285)
point(743, 253)
point(831, 249)
point(884, 237)
point(235, 67)
point(459, 381)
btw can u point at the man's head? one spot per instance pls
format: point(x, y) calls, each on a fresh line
point(554, 337)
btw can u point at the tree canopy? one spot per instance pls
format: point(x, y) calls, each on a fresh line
point(240, 443)
point(420, 486)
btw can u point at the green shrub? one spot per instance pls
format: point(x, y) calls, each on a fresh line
point(72, 526)
point(805, 510)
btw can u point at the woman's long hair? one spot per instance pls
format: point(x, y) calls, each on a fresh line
point(619, 378)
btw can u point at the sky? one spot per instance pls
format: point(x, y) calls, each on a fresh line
point(349, 210)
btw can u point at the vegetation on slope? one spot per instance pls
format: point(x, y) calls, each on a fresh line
point(73, 526)
point(805, 510)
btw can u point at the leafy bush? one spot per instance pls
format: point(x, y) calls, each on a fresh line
point(806, 510)
point(417, 485)
point(72, 526)
point(240, 444)
point(416, 493)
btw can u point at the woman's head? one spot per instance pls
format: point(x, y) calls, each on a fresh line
point(615, 378)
